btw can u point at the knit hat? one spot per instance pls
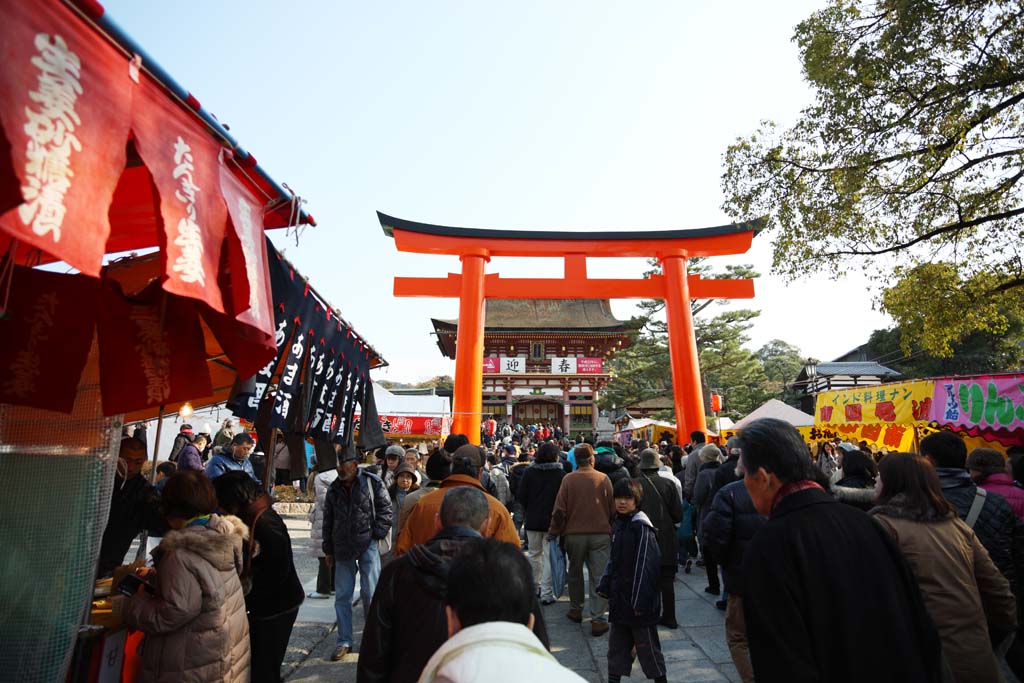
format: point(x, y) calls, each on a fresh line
point(348, 454)
point(394, 451)
point(847, 446)
point(649, 459)
point(710, 453)
point(987, 461)
point(732, 446)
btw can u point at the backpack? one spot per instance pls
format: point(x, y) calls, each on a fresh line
point(502, 491)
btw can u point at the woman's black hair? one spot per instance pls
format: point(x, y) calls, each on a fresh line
point(235, 490)
point(777, 447)
point(859, 464)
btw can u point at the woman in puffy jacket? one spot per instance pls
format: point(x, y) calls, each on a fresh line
point(195, 622)
point(966, 596)
point(319, 483)
point(988, 470)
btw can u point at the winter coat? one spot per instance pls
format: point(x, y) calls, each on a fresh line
point(857, 481)
point(189, 458)
point(275, 584)
point(134, 506)
point(996, 524)
point(180, 439)
point(612, 465)
point(690, 469)
point(196, 627)
point(729, 526)
point(223, 461)
point(352, 520)
point(537, 492)
point(702, 490)
point(962, 589)
point(321, 482)
point(664, 508)
point(501, 491)
point(410, 502)
point(1004, 486)
point(828, 597)
point(496, 652)
point(419, 527)
point(515, 477)
point(584, 505)
point(630, 580)
point(407, 622)
point(862, 499)
point(724, 475)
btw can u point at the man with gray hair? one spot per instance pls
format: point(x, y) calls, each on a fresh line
point(408, 605)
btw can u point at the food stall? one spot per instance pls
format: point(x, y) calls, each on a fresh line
point(888, 416)
point(647, 429)
point(987, 410)
point(103, 153)
point(411, 419)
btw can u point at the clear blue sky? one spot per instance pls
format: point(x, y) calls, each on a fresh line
point(568, 115)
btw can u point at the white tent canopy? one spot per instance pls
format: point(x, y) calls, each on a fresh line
point(780, 411)
point(409, 405)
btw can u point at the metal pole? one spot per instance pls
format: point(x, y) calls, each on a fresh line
point(144, 538)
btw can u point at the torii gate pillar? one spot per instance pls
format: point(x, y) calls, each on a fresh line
point(473, 287)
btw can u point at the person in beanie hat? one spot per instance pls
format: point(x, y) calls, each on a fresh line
point(183, 437)
point(988, 470)
point(439, 466)
point(393, 455)
point(357, 514)
point(663, 505)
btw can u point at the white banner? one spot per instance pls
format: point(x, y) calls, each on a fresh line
point(511, 366)
point(563, 366)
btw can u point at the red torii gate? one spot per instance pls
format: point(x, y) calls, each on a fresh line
point(472, 287)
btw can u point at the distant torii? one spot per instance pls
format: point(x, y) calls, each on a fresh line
point(472, 287)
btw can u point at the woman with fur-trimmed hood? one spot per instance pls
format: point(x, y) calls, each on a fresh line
point(965, 594)
point(194, 620)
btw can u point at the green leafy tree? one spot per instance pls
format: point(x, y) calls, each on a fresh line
point(907, 164)
point(978, 353)
point(782, 363)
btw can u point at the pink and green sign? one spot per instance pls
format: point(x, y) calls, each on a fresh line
point(985, 403)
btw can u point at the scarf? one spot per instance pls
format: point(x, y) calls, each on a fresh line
point(794, 487)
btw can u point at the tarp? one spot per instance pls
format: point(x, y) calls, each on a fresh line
point(776, 409)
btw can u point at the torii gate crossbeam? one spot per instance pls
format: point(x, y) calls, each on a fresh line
point(473, 287)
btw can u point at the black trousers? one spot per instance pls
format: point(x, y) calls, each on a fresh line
point(711, 567)
point(324, 578)
point(282, 477)
point(268, 641)
point(666, 584)
point(621, 641)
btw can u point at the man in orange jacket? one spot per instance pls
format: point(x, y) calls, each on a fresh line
point(420, 525)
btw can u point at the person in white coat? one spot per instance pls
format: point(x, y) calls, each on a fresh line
point(489, 603)
point(318, 484)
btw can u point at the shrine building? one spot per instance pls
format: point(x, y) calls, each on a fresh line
point(545, 360)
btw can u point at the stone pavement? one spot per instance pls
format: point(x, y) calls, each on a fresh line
point(694, 652)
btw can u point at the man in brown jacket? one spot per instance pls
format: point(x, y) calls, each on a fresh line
point(582, 517)
point(465, 471)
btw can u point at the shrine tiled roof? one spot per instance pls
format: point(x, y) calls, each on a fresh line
point(546, 314)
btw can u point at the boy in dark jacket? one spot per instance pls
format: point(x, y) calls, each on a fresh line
point(630, 583)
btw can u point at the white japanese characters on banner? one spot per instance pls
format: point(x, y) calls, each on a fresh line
point(189, 239)
point(51, 136)
point(577, 366)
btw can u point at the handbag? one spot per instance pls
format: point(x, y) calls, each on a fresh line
point(383, 544)
point(556, 559)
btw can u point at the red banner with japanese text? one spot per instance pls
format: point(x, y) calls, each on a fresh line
point(411, 425)
point(184, 162)
point(151, 350)
point(65, 104)
point(45, 338)
point(883, 414)
point(247, 255)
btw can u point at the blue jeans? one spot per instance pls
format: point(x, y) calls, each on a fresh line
point(368, 566)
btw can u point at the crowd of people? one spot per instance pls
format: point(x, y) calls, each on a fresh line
point(818, 559)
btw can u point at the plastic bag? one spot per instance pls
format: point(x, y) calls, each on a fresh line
point(556, 558)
